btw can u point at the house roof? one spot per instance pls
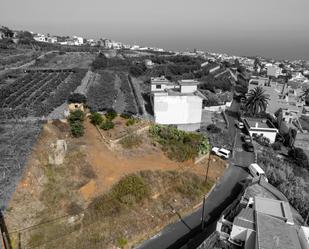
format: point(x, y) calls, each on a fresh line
point(245, 219)
point(257, 123)
point(188, 82)
point(275, 208)
point(275, 233)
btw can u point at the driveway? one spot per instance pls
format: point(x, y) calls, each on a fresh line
point(178, 235)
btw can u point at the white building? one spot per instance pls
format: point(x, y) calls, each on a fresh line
point(273, 70)
point(177, 104)
point(257, 127)
point(303, 234)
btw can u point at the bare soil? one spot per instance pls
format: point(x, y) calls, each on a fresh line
point(90, 169)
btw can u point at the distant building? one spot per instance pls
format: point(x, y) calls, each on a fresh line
point(149, 64)
point(257, 127)
point(178, 104)
point(273, 70)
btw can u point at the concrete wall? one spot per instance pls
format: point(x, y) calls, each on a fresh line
point(163, 87)
point(217, 108)
point(303, 238)
point(177, 109)
point(188, 89)
point(189, 127)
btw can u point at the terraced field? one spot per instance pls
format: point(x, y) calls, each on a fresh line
point(37, 93)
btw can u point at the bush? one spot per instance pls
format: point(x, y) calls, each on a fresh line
point(213, 128)
point(131, 121)
point(276, 146)
point(130, 190)
point(179, 145)
point(77, 129)
point(77, 98)
point(76, 115)
point(131, 141)
point(299, 157)
point(96, 118)
point(107, 125)
point(111, 114)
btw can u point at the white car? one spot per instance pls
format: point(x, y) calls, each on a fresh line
point(224, 153)
point(240, 125)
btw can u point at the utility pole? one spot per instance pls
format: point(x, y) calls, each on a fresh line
point(204, 198)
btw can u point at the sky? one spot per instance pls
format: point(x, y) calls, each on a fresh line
point(270, 28)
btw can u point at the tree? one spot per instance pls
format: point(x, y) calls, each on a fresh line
point(77, 98)
point(7, 32)
point(299, 157)
point(257, 101)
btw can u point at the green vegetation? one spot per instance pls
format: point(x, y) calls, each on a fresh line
point(122, 242)
point(96, 118)
point(131, 121)
point(257, 101)
point(107, 125)
point(212, 128)
point(288, 178)
point(299, 157)
point(131, 141)
point(76, 119)
point(179, 145)
point(111, 114)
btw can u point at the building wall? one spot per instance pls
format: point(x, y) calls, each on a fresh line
point(188, 89)
point(177, 109)
point(303, 238)
point(163, 87)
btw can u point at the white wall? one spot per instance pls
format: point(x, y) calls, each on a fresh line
point(188, 89)
point(163, 87)
point(177, 109)
point(303, 237)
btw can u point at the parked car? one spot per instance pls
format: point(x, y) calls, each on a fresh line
point(246, 138)
point(240, 125)
point(221, 152)
point(256, 171)
point(248, 146)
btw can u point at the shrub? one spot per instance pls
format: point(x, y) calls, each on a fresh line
point(126, 115)
point(131, 121)
point(276, 146)
point(107, 125)
point(96, 118)
point(76, 115)
point(77, 129)
point(77, 98)
point(131, 141)
point(213, 128)
point(179, 145)
point(111, 114)
point(130, 190)
point(299, 157)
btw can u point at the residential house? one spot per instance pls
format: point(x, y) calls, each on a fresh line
point(178, 104)
point(273, 70)
point(149, 64)
point(258, 127)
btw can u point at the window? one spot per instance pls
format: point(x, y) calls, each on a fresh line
point(158, 86)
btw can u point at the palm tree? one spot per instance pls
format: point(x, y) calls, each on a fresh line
point(257, 101)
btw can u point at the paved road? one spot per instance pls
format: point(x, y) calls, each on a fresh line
point(178, 235)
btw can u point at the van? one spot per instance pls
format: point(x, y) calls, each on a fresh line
point(256, 171)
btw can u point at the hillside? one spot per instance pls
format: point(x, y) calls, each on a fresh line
point(86, 191)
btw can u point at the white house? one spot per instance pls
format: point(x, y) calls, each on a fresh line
point(273, 70)
point(178, 104)
point(261, 127)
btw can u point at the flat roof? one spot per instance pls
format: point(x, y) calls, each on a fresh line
point(257, 123)
point(274, 233)
point(275, 208)
point(257, 167)
point(188, 82)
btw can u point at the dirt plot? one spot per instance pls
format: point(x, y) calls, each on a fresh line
point(90, 174)
point(66, 60)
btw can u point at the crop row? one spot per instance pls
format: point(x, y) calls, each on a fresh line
point(102, 94)
point(38, 93)
point(128, 95)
